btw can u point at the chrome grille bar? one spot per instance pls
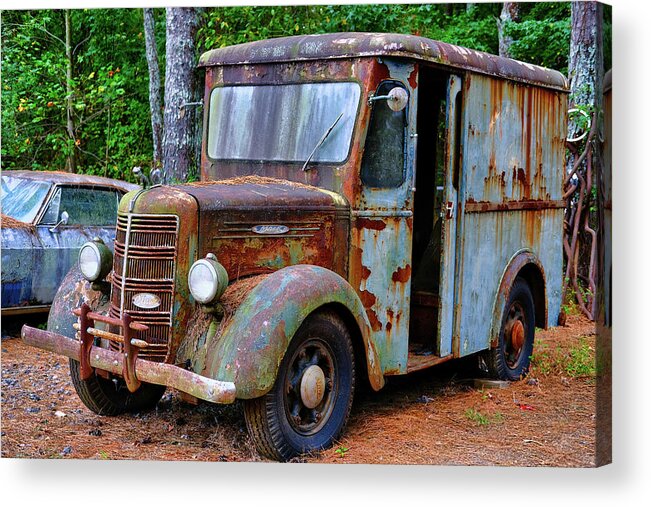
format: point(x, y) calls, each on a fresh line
point(145, 262)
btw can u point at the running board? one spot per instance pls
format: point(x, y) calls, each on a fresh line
point(417, 362)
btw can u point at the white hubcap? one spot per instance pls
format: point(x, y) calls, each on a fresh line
point(312, 386)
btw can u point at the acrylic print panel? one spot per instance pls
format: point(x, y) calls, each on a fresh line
point(414, 320)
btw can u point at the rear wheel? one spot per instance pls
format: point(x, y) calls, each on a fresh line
point(111, 396)
point(309, 404)
point(511, 358)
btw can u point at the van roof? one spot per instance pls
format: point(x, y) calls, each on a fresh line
point(353, 45)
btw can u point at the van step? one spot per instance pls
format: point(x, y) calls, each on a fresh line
point(417, 362)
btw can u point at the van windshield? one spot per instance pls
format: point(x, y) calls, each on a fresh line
point(282, 123)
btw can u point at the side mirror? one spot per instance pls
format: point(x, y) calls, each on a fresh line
point(64, 221)
point(397, 98)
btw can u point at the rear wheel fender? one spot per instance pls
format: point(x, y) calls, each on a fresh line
point(522, 262)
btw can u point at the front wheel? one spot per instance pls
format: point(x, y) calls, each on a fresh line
point(111, 396)
point(511, 358)
point(308, 406)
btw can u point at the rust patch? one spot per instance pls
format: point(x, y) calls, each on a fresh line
point(521, 176)
point(381, 72)
point(376, 325)
point(235, 293)
point(7, 222)
point(368, 298)
point(413, 78)
point(365, 272)
point(367, 223)
point(402, 274)
point(472, 206)
point(390, 315)
point(250, 180)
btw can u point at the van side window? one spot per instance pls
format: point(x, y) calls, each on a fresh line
point(383, 164)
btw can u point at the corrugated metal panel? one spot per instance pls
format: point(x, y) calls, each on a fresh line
point(511, 195)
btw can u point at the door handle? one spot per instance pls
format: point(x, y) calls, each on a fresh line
point(449, 210)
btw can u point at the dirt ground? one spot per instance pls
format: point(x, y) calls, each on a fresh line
point(432, 417)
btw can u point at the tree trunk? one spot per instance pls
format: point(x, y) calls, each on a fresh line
point(154, 87)
point(586, 81)
point(510, 12)
point(585, 70)
point(71, 161)
point(180, 49)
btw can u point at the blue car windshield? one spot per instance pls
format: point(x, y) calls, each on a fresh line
point(22, 198)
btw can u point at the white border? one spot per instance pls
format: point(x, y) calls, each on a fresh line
point(626, 482)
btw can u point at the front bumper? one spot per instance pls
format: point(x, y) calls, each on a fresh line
point(128, 365)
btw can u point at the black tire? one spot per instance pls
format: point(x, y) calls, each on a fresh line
point(511, 358)
point(108, 397)
point(280, 423)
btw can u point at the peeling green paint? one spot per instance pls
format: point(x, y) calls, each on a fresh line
point(253, 343)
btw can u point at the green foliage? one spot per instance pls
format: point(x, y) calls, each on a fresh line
point(341, 451)
point(578, 361)
point(543, 361)
point(110, 77)
point(581, 361)
point(480, 419)
point(236, 25)
point(109, 91)
point(542, 36)
point(570, 306)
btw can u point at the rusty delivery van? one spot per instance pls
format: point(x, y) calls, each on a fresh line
point(370, 205)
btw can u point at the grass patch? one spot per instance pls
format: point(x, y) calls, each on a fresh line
point(581, 361)
point(483, 420)
point(578, 361)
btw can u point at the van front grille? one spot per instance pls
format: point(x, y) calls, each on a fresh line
point(144, 263)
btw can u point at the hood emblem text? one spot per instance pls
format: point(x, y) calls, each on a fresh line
point(270, 229)
point(146, 301)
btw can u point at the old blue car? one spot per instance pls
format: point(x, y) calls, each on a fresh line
point(46, 218)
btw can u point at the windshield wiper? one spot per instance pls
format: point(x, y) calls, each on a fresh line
point(322, 140)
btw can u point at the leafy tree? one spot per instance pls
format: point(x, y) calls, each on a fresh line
point(106, 92)
point(475, 28)
point(542, 36)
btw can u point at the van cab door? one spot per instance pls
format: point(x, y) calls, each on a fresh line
point(383, 219)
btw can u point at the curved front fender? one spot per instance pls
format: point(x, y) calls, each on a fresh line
point(72, 293)
point(251, 347)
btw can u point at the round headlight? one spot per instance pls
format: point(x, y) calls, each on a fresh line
point(207, 280)
point(95, 260)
